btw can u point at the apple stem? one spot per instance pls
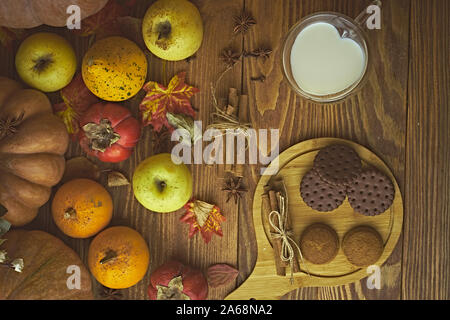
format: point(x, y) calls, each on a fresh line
point(161, 185)
point(164, 30)
point(42, 63)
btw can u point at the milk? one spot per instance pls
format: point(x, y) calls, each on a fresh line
point(323, 63)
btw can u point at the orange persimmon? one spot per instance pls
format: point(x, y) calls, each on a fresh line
point(81, 208)
point(118, 257)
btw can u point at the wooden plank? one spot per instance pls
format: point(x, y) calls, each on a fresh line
point(426, 248)
point(375, 117)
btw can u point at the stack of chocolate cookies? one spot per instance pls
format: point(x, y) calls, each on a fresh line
point(337, 173)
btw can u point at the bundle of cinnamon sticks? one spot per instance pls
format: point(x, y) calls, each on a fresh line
point(236, 106)
point(271, 201)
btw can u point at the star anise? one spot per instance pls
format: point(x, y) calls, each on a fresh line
point(259, 53)
point(8, 125)
point(110, 294)
point(243, 22)
point(230, 57)
point(234, 188)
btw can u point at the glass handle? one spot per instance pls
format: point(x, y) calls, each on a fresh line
point(361, 19)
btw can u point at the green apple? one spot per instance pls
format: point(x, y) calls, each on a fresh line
point(172, 29)
point(160, 185)
point(46, 61)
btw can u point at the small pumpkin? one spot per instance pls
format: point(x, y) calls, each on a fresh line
point(81, 208)
point(109, 132)
point(45, 272)
point(176, 281)
point(114, 69)
point(118, 257)
point(33, 13)
point(32, 144)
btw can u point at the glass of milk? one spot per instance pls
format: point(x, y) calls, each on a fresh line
point(325, 56)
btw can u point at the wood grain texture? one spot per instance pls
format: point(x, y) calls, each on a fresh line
point(374, 117)
point(426, 247)
point(377, 117)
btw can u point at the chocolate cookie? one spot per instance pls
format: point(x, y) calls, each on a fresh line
point(371, 193)
point(362, 246)
point(337, 164)
point(320, 195)
point(319, 243)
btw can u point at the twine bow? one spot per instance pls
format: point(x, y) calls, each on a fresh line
point(287, 251)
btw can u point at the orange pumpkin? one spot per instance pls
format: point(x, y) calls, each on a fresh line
point(32, 144)
point(118, 257)
point(48, 265)
point(32, 13)
point(81, 208)
point(114, 69)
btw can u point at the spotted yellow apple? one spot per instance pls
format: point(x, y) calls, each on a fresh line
point(160, 185)
point(172, 29)
point(46, 61)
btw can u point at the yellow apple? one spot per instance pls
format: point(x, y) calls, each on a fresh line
point(46, 61)
point(161, 185)
point(172, 29)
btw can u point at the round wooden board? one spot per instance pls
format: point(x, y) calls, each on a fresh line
point(263, 283)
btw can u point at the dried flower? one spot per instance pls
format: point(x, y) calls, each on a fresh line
point(243, 22)
point(233, 187)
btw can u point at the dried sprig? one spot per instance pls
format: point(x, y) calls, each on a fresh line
point(243, 22)
point(234, 188)
point(110, 294)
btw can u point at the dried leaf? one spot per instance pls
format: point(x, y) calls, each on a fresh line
point(77, 98)
point(175, 98)
point(203, 217)
point(4, 226)
point(117, 179)
point(18, 265)
point(3, 255)
point(181, 121)
point(103, 22)
point(80, 167)
point(9, 35)
point(173, 290)
point(221, 274)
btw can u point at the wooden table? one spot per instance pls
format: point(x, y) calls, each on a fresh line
point(402, 114)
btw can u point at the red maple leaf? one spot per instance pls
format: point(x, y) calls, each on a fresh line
point(175, 98)
point(76, 100)
point(203, 217)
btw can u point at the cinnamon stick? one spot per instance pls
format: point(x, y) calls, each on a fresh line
point(233, 97)
point(288, 227)
point(274, 206)
point(266, 209)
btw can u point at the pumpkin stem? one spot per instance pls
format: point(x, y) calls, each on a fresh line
point(43, 63)
point(101, 136)
point(109, 255)
point(8, 125)
point(70, 213)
